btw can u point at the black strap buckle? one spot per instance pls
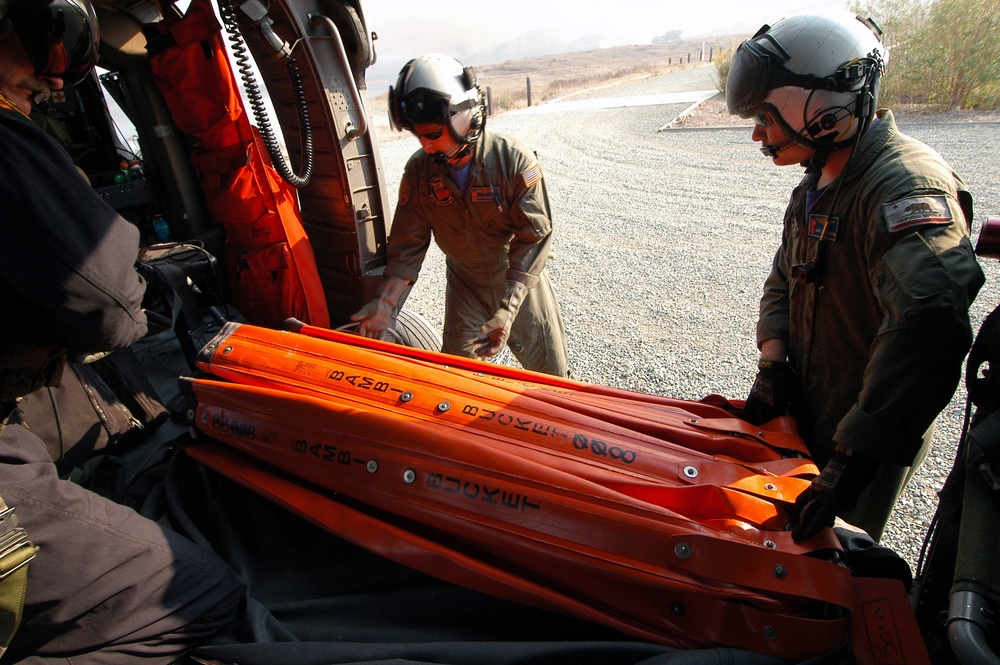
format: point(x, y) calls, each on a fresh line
point(806, 273)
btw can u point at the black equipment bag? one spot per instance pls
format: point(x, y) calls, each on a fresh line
point(103, 406)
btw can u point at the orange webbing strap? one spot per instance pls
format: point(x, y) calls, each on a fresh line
point(492, 371)
point(264, 357)
point(259, 356)
point(684, 617)
point(586, 507)
point(884, 629)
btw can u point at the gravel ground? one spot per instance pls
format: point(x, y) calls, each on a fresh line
point(665, 230)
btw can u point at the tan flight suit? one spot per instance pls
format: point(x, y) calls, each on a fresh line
point(878, 343)
point(499, 229)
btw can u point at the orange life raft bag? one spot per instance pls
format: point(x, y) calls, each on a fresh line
point(269, 260)
point(662, 518)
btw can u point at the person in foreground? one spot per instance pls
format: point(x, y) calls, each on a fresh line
point(864, 318)
point(105, 584)
point(481, 195)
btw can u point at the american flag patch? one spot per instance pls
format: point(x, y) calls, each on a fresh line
point(916, 210)
point(532, 175)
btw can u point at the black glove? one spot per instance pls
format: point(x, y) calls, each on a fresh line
point(832, 492)
point(775, 392)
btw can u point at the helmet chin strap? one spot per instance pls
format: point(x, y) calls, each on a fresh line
point(816, 163)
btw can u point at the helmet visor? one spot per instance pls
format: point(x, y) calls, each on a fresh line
point(752, 74)
point(61, 40)
point(420, 106)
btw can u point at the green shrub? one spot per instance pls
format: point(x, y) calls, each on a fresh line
point(723, 62)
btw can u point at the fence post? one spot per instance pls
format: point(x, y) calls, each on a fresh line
point(528, 82)
point(489, 100)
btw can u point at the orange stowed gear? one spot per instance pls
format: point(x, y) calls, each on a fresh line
point(269, 260)
point(672, 531)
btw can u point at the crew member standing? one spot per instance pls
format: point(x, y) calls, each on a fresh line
point(864, 319)
point(482, 197)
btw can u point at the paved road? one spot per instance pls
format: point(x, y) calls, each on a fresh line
point(663, 238)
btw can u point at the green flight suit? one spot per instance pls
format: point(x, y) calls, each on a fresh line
point(498, 229)
point(878, 342)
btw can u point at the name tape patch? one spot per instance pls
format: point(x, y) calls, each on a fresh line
point(485, 194)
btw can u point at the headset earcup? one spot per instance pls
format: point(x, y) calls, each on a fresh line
point(469, 78)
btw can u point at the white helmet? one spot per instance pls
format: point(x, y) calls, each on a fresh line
point(817, 76)
point(437, 88)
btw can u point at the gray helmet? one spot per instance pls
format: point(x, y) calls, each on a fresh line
point(61, 37)
point(815, 75)
point(436, 88)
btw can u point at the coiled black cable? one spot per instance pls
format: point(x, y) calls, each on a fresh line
point(244, 66)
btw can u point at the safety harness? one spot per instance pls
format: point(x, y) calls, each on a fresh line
point(15, 553)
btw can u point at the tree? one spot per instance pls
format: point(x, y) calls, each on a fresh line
point(942, 51)
point(962, 47)
point(668, 37)
point(902, 24)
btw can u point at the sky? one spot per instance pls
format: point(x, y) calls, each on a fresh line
point(407, 28)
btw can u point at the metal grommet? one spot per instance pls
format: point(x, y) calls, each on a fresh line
point(693, 421)
point(761, 435)
point(204, 416)
point(770, 487)
point(406, 397)
point(443, 406)
point(372, 466)
point(228, 349)
point(770, 544)
point(409, 476)
point(682, 550)
point(780, 572)
point(690, 472)
point(770, 632)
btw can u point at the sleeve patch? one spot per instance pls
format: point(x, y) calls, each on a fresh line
point(532, 174)
point(916, 210)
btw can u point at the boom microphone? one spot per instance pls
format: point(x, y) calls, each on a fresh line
point(773, 150)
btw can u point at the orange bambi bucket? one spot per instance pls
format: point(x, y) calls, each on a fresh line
point(662, 518)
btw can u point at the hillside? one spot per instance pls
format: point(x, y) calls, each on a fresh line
point(551, 76)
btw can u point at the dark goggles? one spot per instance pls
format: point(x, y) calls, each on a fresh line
point(60, 40)
point(418, 107)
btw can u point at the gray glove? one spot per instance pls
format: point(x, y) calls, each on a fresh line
point(378, 316)
point(493, 335)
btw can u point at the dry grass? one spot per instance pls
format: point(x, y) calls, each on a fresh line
point(562, 74)
point(555, 76)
